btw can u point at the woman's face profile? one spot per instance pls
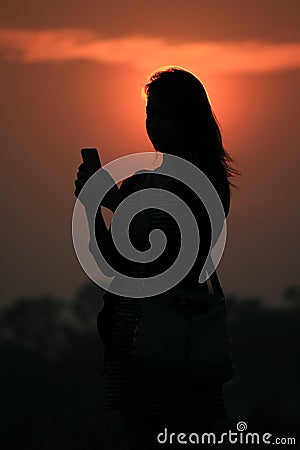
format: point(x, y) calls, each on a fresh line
point(163, 124)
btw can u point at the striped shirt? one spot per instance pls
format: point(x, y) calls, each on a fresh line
point(124, 387)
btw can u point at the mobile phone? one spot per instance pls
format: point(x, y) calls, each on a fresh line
point(90, 157)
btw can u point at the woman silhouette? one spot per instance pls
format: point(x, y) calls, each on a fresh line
point(179, 121)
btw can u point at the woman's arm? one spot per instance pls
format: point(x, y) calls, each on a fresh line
point(104, 242)
point(97, 226)
point(100, 236)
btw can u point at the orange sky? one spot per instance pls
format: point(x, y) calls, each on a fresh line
point(67, 82)
point(143, 52)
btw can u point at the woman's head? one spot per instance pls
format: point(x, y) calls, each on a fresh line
point(180, 120)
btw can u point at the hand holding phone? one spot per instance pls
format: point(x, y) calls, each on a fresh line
point(91, 163)
point(90, 157)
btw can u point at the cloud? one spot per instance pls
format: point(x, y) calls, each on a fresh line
point(146, 53)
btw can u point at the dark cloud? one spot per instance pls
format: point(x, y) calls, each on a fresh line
point(269, 20)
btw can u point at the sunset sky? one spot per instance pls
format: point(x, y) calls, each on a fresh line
point(71, 77)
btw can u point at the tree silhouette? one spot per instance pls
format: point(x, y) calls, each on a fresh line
point(292, 295)
point(51, 358)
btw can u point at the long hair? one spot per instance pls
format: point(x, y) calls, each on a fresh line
point(203, 143)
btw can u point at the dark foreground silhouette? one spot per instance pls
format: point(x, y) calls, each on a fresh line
point(53, 391)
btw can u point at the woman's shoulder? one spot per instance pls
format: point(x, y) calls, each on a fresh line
point(136, 181)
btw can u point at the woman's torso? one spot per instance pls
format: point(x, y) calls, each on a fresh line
point(158, 218)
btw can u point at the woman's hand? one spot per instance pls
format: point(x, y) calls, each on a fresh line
point(112, 199)
point(83, 174)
